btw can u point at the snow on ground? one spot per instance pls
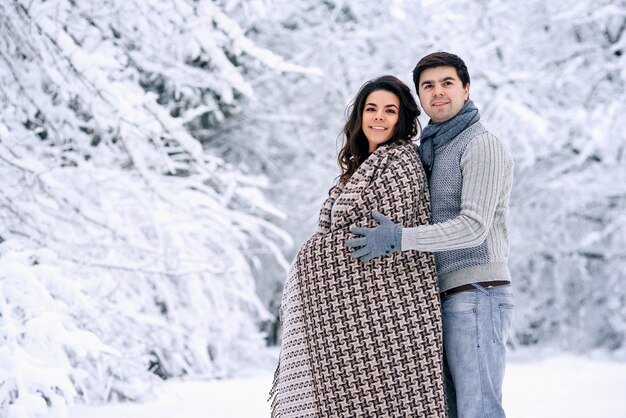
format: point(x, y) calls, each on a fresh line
point(557, 386)
point(565, 386)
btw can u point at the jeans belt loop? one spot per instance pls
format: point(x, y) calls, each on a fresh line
point(479, 287)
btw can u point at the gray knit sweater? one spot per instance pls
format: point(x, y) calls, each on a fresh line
point(469, 188)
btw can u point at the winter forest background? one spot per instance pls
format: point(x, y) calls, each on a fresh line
point(162, 160)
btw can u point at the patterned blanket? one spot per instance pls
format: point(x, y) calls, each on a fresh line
point(363, 339)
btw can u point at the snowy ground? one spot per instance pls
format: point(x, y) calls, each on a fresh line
point(556, 386)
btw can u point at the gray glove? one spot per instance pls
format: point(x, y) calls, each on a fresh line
point(383, 239)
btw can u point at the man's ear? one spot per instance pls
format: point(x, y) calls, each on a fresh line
point(467, 90)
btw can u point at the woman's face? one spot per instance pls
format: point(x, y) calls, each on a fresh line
point(380, 117)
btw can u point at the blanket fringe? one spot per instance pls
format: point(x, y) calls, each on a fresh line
point(273, 398)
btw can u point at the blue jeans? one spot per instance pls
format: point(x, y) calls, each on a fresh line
point(476, 325)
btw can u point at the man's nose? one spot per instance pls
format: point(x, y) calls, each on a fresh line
point(437, 90)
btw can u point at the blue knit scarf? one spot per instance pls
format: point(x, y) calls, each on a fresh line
point(436, 135)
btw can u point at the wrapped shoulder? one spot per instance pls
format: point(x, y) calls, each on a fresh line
point(404, 155)
point(404, 152)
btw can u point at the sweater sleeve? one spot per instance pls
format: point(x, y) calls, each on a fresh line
point(485, 165)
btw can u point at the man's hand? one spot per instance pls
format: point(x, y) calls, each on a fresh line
point(373, 242)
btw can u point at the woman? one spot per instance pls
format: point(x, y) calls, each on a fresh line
point(364, 338)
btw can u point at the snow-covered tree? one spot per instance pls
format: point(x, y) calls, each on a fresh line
point(572, 182)
point(126, 247)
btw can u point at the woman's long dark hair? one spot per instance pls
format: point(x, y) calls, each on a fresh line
point(355, 148)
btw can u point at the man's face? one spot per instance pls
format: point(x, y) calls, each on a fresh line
point(441, 93)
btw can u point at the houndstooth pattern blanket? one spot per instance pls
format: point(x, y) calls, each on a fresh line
point(363, 339)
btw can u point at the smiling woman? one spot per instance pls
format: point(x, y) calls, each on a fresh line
point(364, 339)
point(380, 118)
point(383, 111)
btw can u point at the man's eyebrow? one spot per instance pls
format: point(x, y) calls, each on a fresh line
point(441, 80)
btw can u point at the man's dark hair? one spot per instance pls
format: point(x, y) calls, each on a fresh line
point(441, 59)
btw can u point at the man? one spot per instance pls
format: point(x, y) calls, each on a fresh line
point(470, 174)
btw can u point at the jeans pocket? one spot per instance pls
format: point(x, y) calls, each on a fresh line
point(460, 304)
point(507, 311)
